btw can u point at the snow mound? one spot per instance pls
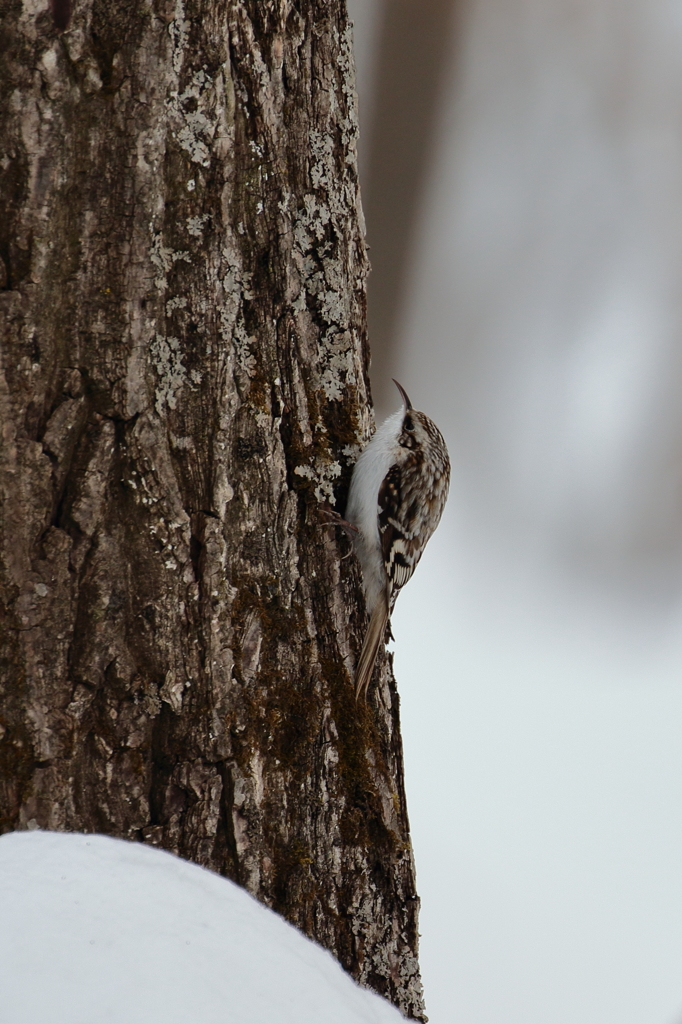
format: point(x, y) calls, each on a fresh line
point(96, 930)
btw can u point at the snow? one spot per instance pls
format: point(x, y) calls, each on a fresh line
point(95, 930)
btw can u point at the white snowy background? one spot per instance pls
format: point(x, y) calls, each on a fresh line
point(539, 645)
point(95, 930)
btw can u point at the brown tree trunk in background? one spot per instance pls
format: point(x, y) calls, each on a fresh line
point(183, 382)
point(416, 41)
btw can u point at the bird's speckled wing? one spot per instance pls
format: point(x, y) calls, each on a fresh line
point(401, 526)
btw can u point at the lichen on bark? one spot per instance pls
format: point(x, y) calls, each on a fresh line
point(183, 382)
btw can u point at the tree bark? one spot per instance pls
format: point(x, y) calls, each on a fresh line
point(183, 382)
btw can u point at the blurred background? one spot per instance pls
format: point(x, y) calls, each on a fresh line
point(521, 166)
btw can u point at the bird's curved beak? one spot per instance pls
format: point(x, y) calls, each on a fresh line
point(403, 394)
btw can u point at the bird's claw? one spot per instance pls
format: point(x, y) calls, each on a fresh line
point(334, 519)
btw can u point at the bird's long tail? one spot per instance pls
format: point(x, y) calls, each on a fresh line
point(370, 648)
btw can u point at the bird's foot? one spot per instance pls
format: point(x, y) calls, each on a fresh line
point(334, 519)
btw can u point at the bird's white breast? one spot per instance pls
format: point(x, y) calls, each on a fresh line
point(382, 452)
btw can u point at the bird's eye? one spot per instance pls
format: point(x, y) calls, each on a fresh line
point(408, 424)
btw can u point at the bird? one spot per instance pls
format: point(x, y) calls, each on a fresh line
point(397, 495)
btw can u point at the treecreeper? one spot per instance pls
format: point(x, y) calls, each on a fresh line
point(397, 495)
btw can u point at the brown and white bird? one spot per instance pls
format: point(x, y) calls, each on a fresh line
point(396, 498)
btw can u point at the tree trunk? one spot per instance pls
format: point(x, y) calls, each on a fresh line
point(183, 383)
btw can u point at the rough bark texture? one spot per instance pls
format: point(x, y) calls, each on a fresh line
point(183, 382)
